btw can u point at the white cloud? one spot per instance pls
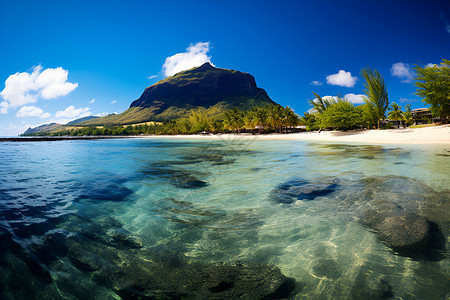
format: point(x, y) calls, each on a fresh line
point(114, 101)
point(151, 77)
point(402, 71)
point(32, 111)
point(311, 111)
point(92, 101)
point(24, 88)
point(71, 112)
point(430, 65)
point(4, 107)
point(406, 100)
point(316, 83)
point(195, 56)
point(52, 83)
point(355, 99)
point(342, 78)
point(15, 129)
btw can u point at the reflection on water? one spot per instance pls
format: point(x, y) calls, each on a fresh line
point(225, 219)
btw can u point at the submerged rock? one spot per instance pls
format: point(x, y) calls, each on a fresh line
point(396, 213)
point(406, 232)
point(187, 182)
point(231, 281)
point(177, 177)
point(103, 187)
point(123, 238)
point(327, 268)
point(160, 273)
point(409, 216)
point(370, 287)
point(300, 189)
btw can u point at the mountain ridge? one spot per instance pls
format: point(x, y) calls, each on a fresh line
point(203, 86)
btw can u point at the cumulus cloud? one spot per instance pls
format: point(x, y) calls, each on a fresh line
point(114, 101)
point(195, 56)
point(92, 101)
point(72, 112)
point(32, 111)
point(355, 99)
point(342, 78)
point(402, 71)
point(316, 83)
point(24, 88)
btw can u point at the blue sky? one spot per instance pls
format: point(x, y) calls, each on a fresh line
point(64, 59)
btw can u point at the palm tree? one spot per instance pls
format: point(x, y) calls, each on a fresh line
point(395, 112)
point(260, 116)
point(321, 104)
point(233, 119)
point(274, 116)
point(289, 117)
point(377, 96)
point(408, 115)
point(249, 120)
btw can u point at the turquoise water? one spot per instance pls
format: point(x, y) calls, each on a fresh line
point(74, 214)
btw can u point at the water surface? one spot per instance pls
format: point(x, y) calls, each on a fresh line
point(72, 211)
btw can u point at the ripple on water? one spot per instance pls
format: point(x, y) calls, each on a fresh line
point(147, 215)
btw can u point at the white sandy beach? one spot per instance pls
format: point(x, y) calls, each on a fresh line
point(427, 135)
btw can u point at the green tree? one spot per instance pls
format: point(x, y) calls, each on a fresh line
point(199, 120)
point(340, 115)
point(215, 125)
point(433, 85)
point(233, 119)
point(183, 125)
point(377, 99)
point(407, 116)
point(311, 122)
point(395, 113)
point(289, 118)
point(260, 115)
point(274, 117)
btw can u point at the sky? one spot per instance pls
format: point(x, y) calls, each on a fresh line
point(61, 60)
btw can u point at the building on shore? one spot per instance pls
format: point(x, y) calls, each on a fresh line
point(423, 116)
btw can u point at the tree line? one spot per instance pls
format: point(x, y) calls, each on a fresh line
point(433, 85)
point(267, 119)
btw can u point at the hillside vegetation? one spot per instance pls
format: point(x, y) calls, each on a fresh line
point(174, 97)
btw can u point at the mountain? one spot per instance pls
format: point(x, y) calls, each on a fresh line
point(77, 121)
point(43, 128)
point(55, 127)
point(203, 86)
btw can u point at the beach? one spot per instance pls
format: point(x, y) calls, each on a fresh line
point(426, 135)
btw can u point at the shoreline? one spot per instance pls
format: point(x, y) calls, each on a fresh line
point(426, 135)
point(59, 138)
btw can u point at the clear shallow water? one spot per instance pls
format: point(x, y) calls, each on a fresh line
point(73, 214)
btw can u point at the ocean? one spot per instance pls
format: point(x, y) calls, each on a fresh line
point(223, 218)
